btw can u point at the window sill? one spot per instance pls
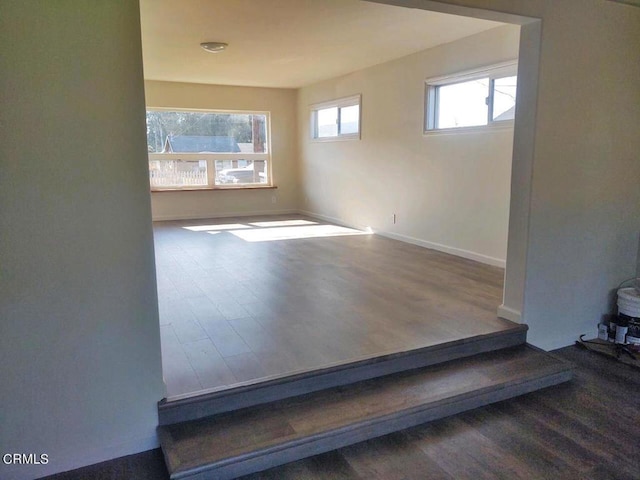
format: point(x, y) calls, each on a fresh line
point(338, 138)
point(494, 127)
point(217, 189)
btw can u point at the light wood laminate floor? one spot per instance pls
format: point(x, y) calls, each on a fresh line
point(247, 298)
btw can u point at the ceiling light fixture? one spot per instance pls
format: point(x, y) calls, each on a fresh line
point(214, 47)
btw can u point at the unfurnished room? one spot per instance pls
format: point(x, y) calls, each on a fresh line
point(280, 185)
point(320, 239)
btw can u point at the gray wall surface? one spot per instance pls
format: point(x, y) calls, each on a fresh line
point(79, 334)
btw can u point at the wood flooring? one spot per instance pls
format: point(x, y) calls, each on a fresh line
point(243, 299)
point(586, 429)
point(248, 440)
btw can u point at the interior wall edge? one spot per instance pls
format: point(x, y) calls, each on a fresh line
point(509, 313)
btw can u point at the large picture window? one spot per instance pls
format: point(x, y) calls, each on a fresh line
point(484, 97)
point(203, 150)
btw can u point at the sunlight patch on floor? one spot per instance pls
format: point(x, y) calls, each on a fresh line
point(213, 228)
point(267, 231)
point(297, 232)
point(283, 223)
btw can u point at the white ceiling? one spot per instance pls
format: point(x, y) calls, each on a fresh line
point(285, 43)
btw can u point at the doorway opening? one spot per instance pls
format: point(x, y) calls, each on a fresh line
point(241, 300)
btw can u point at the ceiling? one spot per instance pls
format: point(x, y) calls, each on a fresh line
point(285, 43)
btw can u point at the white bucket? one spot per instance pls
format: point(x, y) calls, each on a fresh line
point(629, 302)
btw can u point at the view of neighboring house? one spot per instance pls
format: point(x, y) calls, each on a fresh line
point(200, 144)
point(192, 173)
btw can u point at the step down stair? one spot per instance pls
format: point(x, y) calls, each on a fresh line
point(248, 440)
point(205, 404)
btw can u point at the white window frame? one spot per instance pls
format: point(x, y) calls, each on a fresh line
point(339, 104)
point(211, 158)
point(493, 72)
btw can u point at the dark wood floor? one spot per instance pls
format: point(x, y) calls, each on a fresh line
point(247, 298)
point(587, 429)
point(320, 421)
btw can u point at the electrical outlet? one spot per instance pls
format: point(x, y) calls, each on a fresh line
point(394, 219)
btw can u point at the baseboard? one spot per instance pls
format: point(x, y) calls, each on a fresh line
point(202, 216)
point(458, 252)
point(335, 220)
point(509, 314)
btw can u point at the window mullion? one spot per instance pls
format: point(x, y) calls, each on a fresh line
point(436, 107)
point(490, 101)
point(315, 124)
point(211, 172)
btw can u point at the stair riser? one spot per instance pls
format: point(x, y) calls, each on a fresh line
point(233, 399)
point(361, 432)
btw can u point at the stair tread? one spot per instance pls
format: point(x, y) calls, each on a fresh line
point(207, 403)
point(218, 440)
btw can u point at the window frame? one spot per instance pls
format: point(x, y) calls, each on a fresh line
point(211, 157)
point(492, 72)
point(338, 103)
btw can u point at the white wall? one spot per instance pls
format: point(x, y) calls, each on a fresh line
point(449, 192)
point(281, 103)
point(79, 335)
point(582, 207)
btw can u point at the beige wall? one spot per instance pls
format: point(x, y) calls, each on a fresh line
point(449, 192)
point(80, 342)
point(581, 210)
point(203, 204)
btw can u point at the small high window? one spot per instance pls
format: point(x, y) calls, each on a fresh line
point(337, 119)
point(484, 97)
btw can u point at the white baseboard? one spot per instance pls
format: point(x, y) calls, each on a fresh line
point(509, 314)
point(202, 216)
point(478, 257)
point(459, 252)
point(337, 221)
